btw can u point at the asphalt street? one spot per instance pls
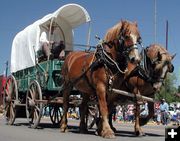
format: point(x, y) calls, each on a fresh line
point(47, 132)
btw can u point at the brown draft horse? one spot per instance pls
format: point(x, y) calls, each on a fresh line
point(89, 73)
point(146, 81)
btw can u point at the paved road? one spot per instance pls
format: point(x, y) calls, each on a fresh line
point(21, 132)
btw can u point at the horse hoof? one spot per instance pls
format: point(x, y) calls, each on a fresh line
point(63, 130)
point(140, 134)
point(108, 135)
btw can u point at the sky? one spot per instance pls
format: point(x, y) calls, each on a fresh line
point(15, 15)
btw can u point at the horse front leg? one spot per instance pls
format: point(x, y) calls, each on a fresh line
point(137, 127)
point(104, 128)
point(63, 123)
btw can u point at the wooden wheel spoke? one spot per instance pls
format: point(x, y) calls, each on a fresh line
point(7, 92)
point(29, 98)
point(11, 112)
point(10, 88)
point(7, 109)
point(31, 93)
point(34, 109)
point(37, 108)
point(35, 114)
point(55, 114)
point(31, 113)
point(56, 117)
point(9, 97)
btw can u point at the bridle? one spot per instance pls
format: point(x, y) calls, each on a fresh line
point(146, 70)
point(153, 74)
point(120, 47)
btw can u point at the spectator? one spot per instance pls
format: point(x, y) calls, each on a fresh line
point(144, 111)
point(164, 108)
point(158, 114)
point(130, 113)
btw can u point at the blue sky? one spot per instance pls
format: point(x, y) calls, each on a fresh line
point(17, 14)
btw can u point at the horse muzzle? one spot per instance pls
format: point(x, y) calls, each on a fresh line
point(134, 54)
point(157, 86)
point(171, 68)
point(134, 60)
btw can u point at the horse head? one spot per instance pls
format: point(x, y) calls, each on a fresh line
point(161, 64)
point(123, 39)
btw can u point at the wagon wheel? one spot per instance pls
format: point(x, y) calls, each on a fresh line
point(33, 107)
point(55, 113)
point(10, 95)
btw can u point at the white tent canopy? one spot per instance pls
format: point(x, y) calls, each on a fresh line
point(26, 42)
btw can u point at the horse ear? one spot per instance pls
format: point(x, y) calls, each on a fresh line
point(122, 22)
point(173, 56)
point(135, 23)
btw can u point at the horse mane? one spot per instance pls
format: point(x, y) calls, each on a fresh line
point(153, 50)
point(114, 31)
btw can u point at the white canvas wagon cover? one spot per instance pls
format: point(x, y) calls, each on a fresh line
point(26, 42)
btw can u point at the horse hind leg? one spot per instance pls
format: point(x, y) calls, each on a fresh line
point(104, 128)
point(66, 94)
point(84, 113)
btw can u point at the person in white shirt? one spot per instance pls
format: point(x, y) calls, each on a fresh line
point(164, 108)
point(51, 48)
point(144, 110)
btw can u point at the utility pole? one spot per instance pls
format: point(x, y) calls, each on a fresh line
point(155, 16)
point(167, 35)
point(6, 74)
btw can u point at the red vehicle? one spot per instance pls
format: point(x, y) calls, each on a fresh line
point(2, 83)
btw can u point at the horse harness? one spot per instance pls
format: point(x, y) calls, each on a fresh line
point(102, 59)
point(144, 69)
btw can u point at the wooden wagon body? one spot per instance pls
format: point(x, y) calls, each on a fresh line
point(34, 84)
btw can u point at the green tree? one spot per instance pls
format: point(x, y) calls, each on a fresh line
point(178, 89)
point(168, 90)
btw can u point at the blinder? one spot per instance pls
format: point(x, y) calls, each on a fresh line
point(126, 50)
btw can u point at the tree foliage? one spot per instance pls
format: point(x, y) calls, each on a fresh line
point(168, 90)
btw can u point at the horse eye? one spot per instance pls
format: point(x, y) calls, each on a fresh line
point(126, 36)
point(139, 40)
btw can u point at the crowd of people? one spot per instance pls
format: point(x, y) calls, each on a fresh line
point(125, 113)
point(161, 113)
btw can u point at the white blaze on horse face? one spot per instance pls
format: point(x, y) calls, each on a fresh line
point(158, 85)
point(135, 53)
point(164, 71)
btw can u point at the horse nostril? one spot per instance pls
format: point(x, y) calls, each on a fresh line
point(132, 60)
point(154, 88)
